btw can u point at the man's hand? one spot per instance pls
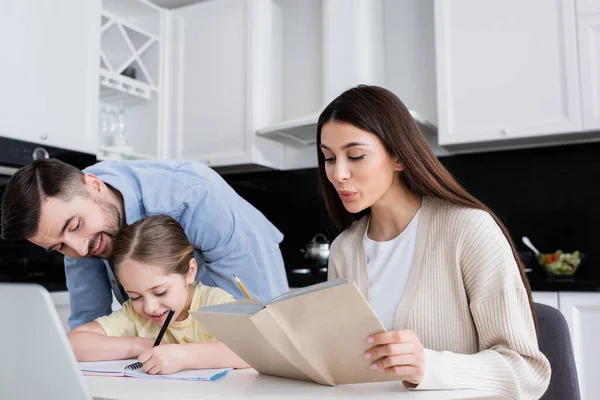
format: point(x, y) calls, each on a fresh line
point(399, 353)
point(164, 359)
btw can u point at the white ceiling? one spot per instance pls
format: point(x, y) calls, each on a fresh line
point(174, 3)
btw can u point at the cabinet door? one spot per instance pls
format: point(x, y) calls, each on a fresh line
point(505, 69)
point(547, 298)
point(587, 7)
point(63, 307)
point(210, 75)
point(582, 311)
point(48, 71)
point(589, 57)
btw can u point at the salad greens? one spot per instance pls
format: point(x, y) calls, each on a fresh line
point(559, 263)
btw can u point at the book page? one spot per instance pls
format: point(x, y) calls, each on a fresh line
point(308, 289)
point(248, 307)
point(117, 368)
point(107, 368)
point(187, 375)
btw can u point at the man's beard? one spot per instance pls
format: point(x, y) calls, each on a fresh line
point(112, 230)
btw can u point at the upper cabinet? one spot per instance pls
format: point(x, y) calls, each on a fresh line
point(217, 73)
point(211, 80)
point(589, 59)
point(506, 69)
point(586, 7)
point(48, 72)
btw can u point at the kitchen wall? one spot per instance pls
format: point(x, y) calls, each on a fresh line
point(551, 195)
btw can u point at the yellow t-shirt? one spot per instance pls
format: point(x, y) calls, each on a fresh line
point(127, 322)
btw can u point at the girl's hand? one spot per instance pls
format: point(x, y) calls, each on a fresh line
point(399, 353)
point(164, 359)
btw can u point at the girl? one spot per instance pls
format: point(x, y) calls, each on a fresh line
point(155, 263)
point(437, 266)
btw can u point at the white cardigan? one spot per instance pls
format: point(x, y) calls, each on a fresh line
point(465, 300)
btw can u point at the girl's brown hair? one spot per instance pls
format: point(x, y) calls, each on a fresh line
point(380, 112)
point(157, 240)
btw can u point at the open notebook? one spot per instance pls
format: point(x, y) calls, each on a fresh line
point(117, 368)
point(318, 333)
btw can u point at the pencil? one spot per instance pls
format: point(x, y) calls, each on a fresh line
point(163, 329)
point(241, 285)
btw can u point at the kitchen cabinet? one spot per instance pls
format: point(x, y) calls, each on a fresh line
point(62, 305)
point(589, 57)
point(582, 312)
point(506, 69)
point(48, 70)
point(547, 298)
point(211, 83)
point(218, 70)
point(586, 7)
point(63, 308)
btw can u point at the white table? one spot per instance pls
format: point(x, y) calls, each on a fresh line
point(248, 384)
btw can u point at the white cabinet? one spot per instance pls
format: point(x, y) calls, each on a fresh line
point(547, 298)
point(63, 308)
point(48, 70)
point(506, 69)
point(216, 54)
point(582, 311)
point(62, 304)
point(585, 7)
point(211, 81)
point(589, 57)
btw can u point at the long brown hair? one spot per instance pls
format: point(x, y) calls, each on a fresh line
point(380, 112)
point(157, 240)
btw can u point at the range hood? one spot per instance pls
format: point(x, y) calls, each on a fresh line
point(301, 132)
point(354, 36)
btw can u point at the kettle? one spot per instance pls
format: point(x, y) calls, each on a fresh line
point(317, 250)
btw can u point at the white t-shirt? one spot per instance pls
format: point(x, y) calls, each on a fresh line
point(388, 265)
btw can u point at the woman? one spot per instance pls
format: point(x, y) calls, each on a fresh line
point(436, 265)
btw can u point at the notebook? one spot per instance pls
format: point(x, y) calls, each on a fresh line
point(317, 333)
point(117, 368)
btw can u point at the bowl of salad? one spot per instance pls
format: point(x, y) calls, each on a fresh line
point(559, 264)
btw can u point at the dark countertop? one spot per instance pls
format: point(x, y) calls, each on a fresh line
point(567, 285)
point(583, 281)
point(538, 281)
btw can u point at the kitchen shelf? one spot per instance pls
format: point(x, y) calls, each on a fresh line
point(125, 47)
point(118, 20)
point(121, 89)
point(138, 14)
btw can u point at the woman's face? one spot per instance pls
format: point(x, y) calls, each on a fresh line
point(357, 165)
point(153, 292)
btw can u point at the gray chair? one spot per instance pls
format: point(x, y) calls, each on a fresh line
point(555, 343)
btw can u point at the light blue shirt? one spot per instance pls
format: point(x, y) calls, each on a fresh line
point(229, 234)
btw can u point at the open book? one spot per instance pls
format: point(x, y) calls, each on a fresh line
point(318, 333)
point(117, 368)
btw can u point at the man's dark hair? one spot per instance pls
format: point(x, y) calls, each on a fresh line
point(22, 199)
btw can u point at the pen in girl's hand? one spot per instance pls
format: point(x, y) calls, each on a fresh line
point(163, 329)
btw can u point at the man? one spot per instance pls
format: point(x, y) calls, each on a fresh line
point(80, 213)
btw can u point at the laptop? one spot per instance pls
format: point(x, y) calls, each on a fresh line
point(37, 360)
